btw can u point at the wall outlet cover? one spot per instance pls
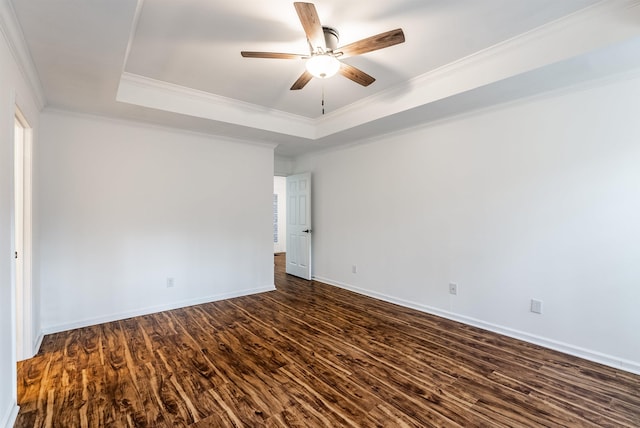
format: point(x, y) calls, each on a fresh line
point(536, 306)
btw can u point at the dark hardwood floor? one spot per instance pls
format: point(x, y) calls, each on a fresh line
point(311, 355)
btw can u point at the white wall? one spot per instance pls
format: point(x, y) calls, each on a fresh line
point(125, 206)
point(538, 199)
point(14, 90)
point(282, 166)
point(280, 189)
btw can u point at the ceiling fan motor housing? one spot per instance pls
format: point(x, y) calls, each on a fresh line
point(331, 38)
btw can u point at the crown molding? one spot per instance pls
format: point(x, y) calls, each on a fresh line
point(147, 92)
point(12, 32)
point(154, 126)
point(132, 32)
point(604, 23)
point(591, 28)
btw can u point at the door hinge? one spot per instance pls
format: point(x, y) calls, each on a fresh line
point(16, 254)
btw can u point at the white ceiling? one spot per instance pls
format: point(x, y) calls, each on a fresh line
point(178, 63)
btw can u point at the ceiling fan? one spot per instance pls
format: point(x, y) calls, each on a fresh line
point(322, 60)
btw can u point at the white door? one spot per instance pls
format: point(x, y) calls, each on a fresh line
point(18, 215)
point(23, 237)
point(299, 225)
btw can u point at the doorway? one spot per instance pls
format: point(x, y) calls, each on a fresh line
point(22, 236)
point(279, 215)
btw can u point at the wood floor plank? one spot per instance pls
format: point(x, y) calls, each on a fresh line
point(437, 370)
point(415, 391)
point(309, 355)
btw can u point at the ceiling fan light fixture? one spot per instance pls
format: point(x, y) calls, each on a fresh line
point(322, 65)
point(322, 61)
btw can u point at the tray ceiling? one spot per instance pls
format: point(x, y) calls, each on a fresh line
point(179, 63)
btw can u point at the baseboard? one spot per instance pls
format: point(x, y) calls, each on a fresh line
point(38, 342)
point(9, 419)
point(152, 309)
point(607, 360)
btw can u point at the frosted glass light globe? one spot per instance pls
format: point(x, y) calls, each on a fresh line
point(322, 66)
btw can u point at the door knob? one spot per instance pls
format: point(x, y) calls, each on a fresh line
point(306, 231)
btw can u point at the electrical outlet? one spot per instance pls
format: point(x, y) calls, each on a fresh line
point(170, 282)
point(453, 288)
point(354, 269)
point(536, 306)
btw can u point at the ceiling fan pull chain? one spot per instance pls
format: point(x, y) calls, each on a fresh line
point(323, 97)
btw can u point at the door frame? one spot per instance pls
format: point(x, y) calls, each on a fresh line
point(23, 299)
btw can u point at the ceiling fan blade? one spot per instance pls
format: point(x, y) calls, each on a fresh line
point(302, 81)
point(273, 55)
point(373, 43)
point(355, 74)
point(311, 24)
